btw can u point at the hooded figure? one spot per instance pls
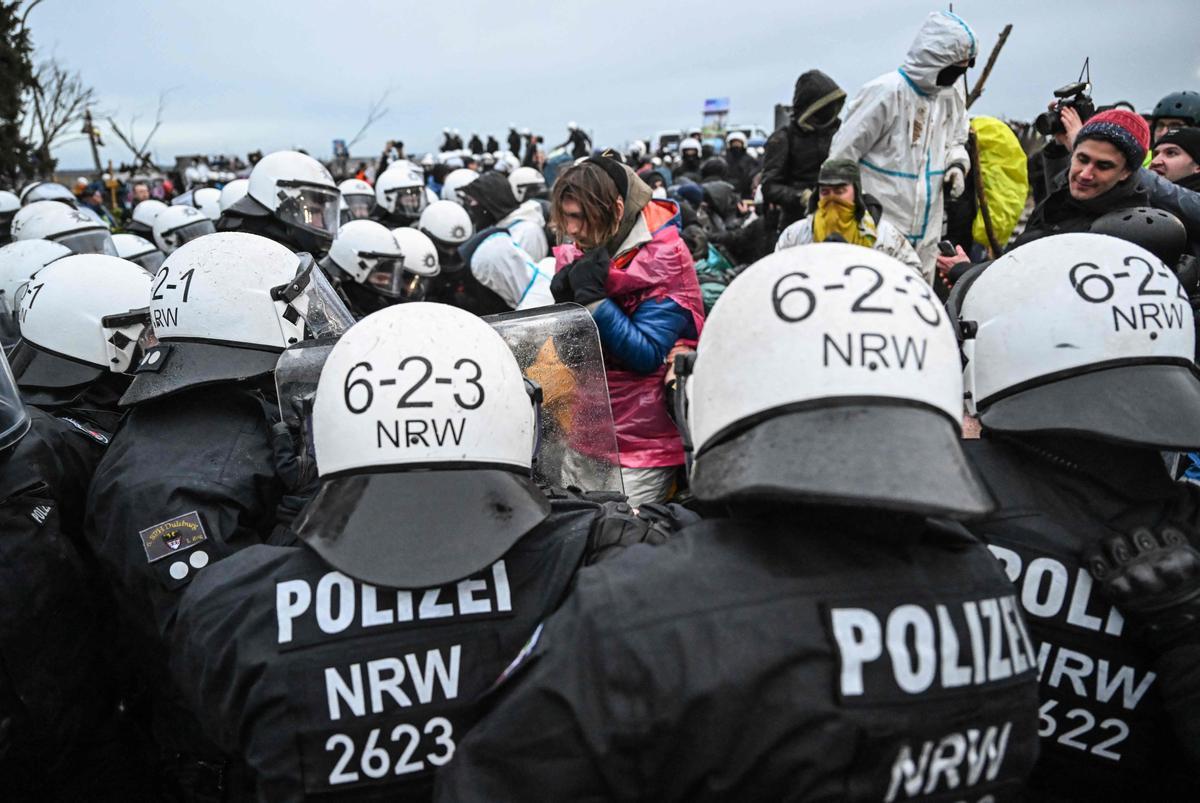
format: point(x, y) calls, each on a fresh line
point(497, 255)
point(795, 153)
point(908, 128)
point(858, 222)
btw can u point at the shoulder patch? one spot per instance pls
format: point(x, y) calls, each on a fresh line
point(92, 432)
point(172, 536)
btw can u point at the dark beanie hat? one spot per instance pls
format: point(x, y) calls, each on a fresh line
point(1188, 140)
point(1123, 129)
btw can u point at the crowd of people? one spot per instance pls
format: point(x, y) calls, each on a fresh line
point(864, 466)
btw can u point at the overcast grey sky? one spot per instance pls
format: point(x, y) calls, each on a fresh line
point(273, 74)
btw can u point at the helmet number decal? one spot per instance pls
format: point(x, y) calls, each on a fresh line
point(185, 279)
point(803, 301)
point(777, 298)
point(358, 392)
point(32, 295)
point(1094, 296)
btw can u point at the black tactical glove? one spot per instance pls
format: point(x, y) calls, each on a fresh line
point(560, 287)
point(1154, 579)
point(298, 476)
point(588, 276)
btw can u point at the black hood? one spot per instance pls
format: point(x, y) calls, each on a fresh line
point(492, 192)
point(816, 101)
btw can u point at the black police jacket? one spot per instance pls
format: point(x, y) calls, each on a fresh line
point(325, 684)
point(60, 734)
point(1107, 702)
point(188, 480)
point(769, 660)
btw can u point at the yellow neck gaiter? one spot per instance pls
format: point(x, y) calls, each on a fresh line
point(835, 217)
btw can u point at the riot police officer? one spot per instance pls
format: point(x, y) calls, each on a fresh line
point(825, 641)
point(290, 198)
point(1078, 352)
point(84, 326)
point(61, 735)
point(198, 469)
point(366, 267)
point(425, 560)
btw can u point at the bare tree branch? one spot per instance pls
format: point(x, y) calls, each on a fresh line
point(57, 99)
point(375, 112)
point(141, 152)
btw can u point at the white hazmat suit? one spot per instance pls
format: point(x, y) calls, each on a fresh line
point(907, 132)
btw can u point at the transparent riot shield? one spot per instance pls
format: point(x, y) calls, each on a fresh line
point(296, 376)
point(558, 347)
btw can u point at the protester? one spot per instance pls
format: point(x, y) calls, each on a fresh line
point(839, 211)
point(908, 128)
point(1177, 157)
point(627, 264)
point(795, 153)
point(1103, 176)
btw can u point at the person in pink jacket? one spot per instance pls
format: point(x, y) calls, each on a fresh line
point(628, 265)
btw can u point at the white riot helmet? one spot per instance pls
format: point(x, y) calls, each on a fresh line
point(50, 220)
point(401, 192)
point(455, 181)
point(691, 143)
point(232, 192)
point(208, 201)
point(177, 225)
point(358, 197)
point(1080, 334)
point(367, 252)
point(420, 402)
point(297, 191)
point(47, 191)
point(224, 306)
point(449, 226)
point(571, 126)
point(736, 136)
point(419, 253)
point(847, 380)
point(82, 316)
point(526, 183)
point(637, 149)
point(139, 251)
point(142, 223)
point(18, 262)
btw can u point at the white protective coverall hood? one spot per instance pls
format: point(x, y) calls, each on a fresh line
point(527, 225)
point(906, 132)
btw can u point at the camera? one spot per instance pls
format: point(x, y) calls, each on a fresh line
point(1074, 96)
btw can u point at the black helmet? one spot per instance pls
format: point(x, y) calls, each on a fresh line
point(1156, 230)
point(1185, 105)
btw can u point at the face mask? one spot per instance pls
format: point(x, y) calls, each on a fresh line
point(949, 75)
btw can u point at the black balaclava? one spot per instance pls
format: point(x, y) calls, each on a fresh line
point(948, 75)
point(493, 199)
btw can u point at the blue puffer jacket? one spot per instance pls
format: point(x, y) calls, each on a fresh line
point(640, 342)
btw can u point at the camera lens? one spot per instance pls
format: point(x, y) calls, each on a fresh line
point(1045, 123)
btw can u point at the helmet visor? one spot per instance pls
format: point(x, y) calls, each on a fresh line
point(309, 207)
point(89, 241)
point(387, 277)
point(185, 234)
point(312, 297)
point(531, 190)
point(409, 201)
point(150, 261)
point(14, 420)
point(10, 332)
point(359, 206)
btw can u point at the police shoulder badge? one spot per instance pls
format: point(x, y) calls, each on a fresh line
point(173, 535)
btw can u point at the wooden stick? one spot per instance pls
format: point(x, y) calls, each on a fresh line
point(993, 244)
point(974, 94)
